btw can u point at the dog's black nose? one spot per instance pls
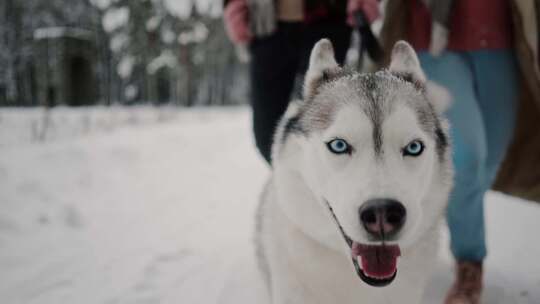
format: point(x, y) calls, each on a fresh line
point(382, 218)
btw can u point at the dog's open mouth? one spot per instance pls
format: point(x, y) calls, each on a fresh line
point(376, 265)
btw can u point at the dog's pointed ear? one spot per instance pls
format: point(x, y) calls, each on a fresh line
point(322, 67)
point(405, 64)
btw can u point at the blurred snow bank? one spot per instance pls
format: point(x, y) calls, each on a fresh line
point(31, 125)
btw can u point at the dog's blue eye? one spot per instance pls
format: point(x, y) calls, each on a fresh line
point(414, 148)
point(338, 146)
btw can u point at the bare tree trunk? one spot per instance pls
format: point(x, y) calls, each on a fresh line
point(45, 123)
point(13, 28)
point(185, 62)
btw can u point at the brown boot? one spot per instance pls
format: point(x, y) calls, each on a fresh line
point(468, 286)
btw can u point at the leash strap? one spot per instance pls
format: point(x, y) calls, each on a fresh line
point(368, 42)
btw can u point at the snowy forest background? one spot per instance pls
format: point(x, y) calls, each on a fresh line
point(106, 52)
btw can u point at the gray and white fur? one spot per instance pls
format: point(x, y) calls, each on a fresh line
point(302, 253)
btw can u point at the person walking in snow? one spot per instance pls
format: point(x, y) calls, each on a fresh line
point(280, 35)
point(468, 47)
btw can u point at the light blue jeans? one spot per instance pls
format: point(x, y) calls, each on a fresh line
point(484, 89)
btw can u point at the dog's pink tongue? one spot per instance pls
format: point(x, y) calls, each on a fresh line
point(378, 261)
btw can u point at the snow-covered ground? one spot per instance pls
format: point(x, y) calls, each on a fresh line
point(30, 125)
point(163, 213)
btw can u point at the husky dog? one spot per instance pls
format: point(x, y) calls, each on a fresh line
point(361, 177)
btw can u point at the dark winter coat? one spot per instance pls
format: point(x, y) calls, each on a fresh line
point(519, 174)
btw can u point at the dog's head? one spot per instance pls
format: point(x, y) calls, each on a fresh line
point(373, 149)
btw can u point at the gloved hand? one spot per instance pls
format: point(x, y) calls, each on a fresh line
point(370, 8)
point(439, 39)
point(236, 17)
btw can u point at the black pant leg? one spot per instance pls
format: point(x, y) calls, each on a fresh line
point(339, 33)
point(274, 62)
